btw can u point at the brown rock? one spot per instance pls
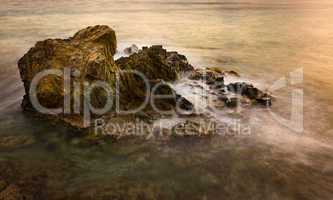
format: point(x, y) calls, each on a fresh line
point(89, 56)
point(90, 52)
point(156, 63)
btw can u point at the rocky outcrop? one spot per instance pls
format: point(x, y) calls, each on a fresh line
point(158, 66)
point(233, 94)
point(156, 63)
point(88, 58)
point(250, 92)
point(89, 53)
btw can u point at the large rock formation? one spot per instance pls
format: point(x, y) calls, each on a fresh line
point(157, 65)
point(88, 58)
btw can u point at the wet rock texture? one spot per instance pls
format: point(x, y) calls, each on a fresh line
point(131, 50)
point(232, 94)
point(89, 57)
point(156, 63)
point(251, 92)
point(89, 52)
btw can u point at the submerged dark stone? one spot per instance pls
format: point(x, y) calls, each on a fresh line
point(184, 104)
point(250, 92)
point(131, 50)
point(265, 100)
point(231, 102)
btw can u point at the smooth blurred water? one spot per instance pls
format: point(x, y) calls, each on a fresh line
point(263, 40)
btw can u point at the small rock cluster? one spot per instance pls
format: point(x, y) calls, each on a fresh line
point(214, 78)
point(250, 92)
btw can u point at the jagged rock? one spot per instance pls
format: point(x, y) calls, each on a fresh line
point(204, 74)
point(250, 92)
point(131, 50)
point(231, 102)
point(220, 79)
point(211, 77)
point(175, 99)
point(184, 104)
point(156, 63)
point(89, 53)
point(89, 56)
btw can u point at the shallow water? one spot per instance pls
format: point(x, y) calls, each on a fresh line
point(263, 40)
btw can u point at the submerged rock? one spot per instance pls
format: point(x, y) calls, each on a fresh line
point(232, 102)
point(206, 75)
point(184, 104)
point(131, 50)
point(265, 100)
point(250, 92)
point(214, 78)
